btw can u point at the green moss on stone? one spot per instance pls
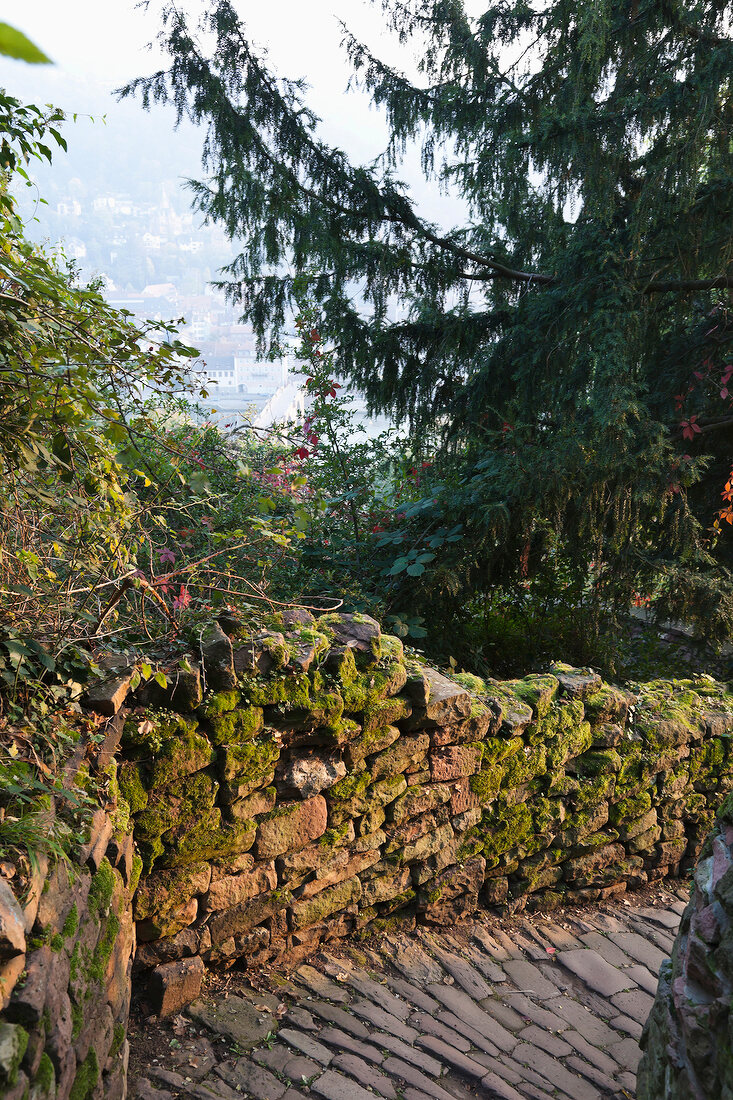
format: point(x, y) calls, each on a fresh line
point(355, 694)
point(597, 762)
point(595, 790)
point(77, 1020)
point(385, 712)
point(118, 1038)
point(606, 704)
point(183, 754)
point(547, 815)
point(538, 691)
point(218, 703)
point(101, 887)
point(487, 783)
point(250, 761)
point(132, 785)
point(150, 730)
point(392, 647)
point(470, 682)
point(86, 1078)
point(565, 733)
point(523, 766)
point(350, 785)
point(336, 837)
point(330, 900)
point(137, 870)
point(104, 948)
point(707, 760)
point(282, 688)
point(209, 839)
point(44, 1082)
point(13, 1044)
point(165, 891)
point(629, 809)
point(504, 828)
point(236, 725)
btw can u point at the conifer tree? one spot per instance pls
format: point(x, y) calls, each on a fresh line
point(569, 345)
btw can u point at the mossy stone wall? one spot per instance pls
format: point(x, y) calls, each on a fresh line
point(65, 998)
point(688, 1038)
point(308, 781)
point(326, 784)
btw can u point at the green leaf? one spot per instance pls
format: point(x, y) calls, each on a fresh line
point(13, 43)
point(415, 569)
point(161, 679)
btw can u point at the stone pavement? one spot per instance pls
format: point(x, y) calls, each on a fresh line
point(548, 1005)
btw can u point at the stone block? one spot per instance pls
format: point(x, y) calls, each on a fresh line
point(627, 830)
point(384, 887)
point(595, 868)
point(230, 890)
point(338, 871)
point(576, 682)
point(228, 923)
point(218, 657)
point(455, 761)
point(107, 696)
point(463, 795)
point(405, 753)
point(453, 893)
point(447, 703)
point(359, 633)
point(174, 985)
point(161, 893)
point(291, 827)
point(324, 904)
point(176, 918)
point(236, 1019)
point(10, 972)
point(182, 691)
point(12, 924)
point(253, 805)
point(419, 800)
point(309, 775)
point(28, 1001)
point(368, 742)
point(401, 835)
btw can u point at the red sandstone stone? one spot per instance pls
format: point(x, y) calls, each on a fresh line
point(231, 889)
point(174, 985)
point(292, 828)
point(463, 798)
point(455, 761)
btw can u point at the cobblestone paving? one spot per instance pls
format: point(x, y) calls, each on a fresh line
point(537, 1007)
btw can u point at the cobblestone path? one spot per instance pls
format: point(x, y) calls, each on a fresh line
point(536, 1007)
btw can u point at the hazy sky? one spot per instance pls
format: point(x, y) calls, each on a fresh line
point(103, 43)
point(106, 40)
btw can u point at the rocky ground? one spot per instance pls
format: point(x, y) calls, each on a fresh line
point(532, 1007)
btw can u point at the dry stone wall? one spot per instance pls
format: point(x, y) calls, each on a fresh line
point(688, 1038)
point(65, 973)
point(317, 783)
point(295, 784)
